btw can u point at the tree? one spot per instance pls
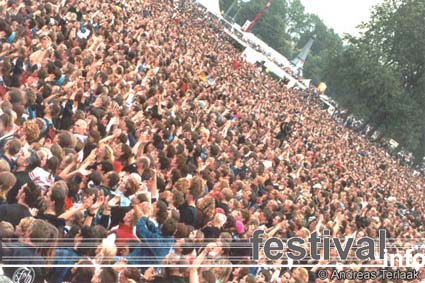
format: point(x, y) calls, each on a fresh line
point(297, 20)
point(380, 75)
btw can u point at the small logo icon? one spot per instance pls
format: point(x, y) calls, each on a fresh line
point(23, 275)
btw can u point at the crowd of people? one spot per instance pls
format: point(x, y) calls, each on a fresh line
point(134, 135)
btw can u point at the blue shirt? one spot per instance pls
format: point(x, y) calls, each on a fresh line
point(156, 246)
point(62, 256)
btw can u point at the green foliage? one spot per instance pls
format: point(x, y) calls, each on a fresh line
point(383, 72)
point(379, 76)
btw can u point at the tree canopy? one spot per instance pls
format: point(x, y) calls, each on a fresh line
point(379, 75)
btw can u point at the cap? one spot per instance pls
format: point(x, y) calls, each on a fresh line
point(240, 227)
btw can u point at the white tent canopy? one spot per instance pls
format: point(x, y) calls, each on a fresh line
point(211, 5)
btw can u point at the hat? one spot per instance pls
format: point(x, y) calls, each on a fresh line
point(240, 227)
point(220, 210)
point(220, 219)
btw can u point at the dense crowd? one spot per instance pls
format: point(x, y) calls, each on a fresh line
point(133, 134)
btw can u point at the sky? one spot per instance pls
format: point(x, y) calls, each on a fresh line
point(341, 15)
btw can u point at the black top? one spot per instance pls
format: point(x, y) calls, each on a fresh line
point(170, 279)
point(211, 232)
point(14, 253)
point(22, 178)
point(13, 213)
point(223, 206)
point(187, 214)
point(55, 221)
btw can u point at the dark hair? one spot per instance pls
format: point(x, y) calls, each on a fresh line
point(169, 227)
point(95, 177)
point(32, 196)
point(107, 166)
point(83, 274)
point(52, 164)
point(95, 135)
point(113, 179)
point(108, 275)
point(126, 153)
point(58, 196)
point(65, 139)
point(133, 273)
point(14, 146)
point(33, 160)
point(55, 109)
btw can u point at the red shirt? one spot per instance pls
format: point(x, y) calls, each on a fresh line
point(236, 65)
point(124, 234)
point(117, 166)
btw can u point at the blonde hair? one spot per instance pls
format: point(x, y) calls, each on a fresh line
point(107, 251)
point(7, 181)
point(204, 131)
point(109, 153)
point(182, 185)
point(47, 237)
point(223, 273)
point(207, 206)
point(303, 273)
point(25, 224)
point(4, 166)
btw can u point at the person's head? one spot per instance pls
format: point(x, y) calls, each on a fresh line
point(94, 234)
point(94, 136)
point(64, 139)
point(4, 166)
point(80, 127)
point(55, 199)
point(104, 152)
point(27, 159)
point(104, 167)
point(31, 130)
point(249, 278)
point(82, 274)
point(219, 220)
point(6, 230)
point(23, 228)
point(226, 195)
point(143, 163)
point(130, 273)
point(300, 274)
point(7, 181)
point(29, 196)
point(104, 275)
point(207, 206)
point(178, 198)
point(222, 274)
point(130, 218)
point(263, 276)
point(53, 109)
point(174, 259)
point(5, 123)
point(13, 146)
point(105, 252)
point(111, 179)
point(207, 276)
point(169, 227)
point(44, 234)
